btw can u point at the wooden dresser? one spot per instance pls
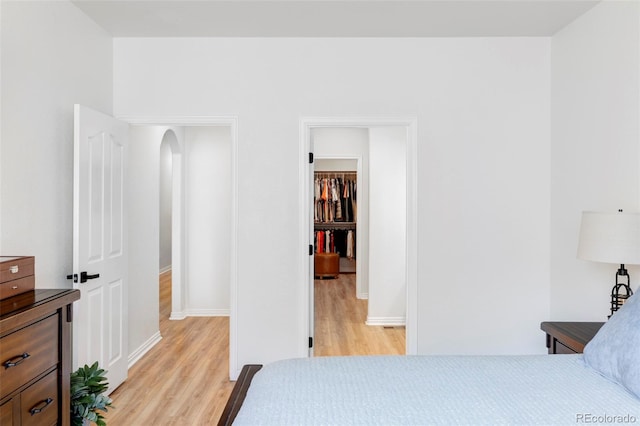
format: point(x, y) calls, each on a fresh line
point(35, 353)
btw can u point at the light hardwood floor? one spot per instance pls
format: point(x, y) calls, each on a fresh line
point(183, 380)
point(340, 327)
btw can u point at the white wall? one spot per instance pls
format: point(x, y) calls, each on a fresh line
point(336, 165)
point(387, 226)
point(483, 181)
point(144, 239)
point(594, 155)
point(344, 142)
point(208, 215)
point(52, 57)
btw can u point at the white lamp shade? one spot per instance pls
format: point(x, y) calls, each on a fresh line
point(610, 237)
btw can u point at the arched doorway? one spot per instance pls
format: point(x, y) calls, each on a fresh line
point(170, 211)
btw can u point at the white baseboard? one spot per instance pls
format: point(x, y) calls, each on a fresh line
point(386, 321)
point(200, 313)
point(362, 296)
point(207, 312)
point(177, 316)
point(136, 355)
point(165, 269)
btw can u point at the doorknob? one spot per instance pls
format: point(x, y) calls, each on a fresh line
point(84, 276)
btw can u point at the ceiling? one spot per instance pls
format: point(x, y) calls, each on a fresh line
point(333, 18)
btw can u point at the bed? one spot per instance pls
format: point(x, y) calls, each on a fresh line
point(601, 386)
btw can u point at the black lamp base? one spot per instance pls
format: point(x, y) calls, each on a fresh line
point(621, 291)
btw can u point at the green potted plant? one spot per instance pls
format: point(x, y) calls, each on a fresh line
point(87, 399)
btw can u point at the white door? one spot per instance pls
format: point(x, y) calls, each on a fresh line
point(100, 243)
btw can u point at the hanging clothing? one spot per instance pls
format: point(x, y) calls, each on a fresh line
point(320, 242)
point(332, 247)
point(338, 203)
point(350, 245)
point(325, 190)
point(334, 199)
point(316, 199)
point(327, 239)
point(340, 242)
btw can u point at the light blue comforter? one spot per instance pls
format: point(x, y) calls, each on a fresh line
point(432, 390)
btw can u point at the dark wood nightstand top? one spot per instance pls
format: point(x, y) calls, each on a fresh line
point(570, 335)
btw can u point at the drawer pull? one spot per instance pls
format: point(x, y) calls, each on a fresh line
point(14, 269)
point(15, 360)
point(41, 406)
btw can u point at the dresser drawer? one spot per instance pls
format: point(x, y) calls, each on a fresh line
point(13, 268)
point(28, 352)
point(11, 288)
point(6, 413)
point(39, 402)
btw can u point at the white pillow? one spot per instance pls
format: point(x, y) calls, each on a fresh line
point(615, 350)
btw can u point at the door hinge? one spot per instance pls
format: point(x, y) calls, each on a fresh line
point(310, 342)
point(311, 158)
point(310, 250)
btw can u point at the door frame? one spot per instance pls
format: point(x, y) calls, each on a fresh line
point(306, 124)
point(205, 121)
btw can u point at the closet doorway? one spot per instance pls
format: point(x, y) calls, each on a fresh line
point(360, 239)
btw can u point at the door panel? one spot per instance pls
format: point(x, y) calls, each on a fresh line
point(91, 342)
point(116, 298)
point(95, 213)
point(116, 199)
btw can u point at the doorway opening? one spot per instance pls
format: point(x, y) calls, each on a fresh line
point(170, 227)
point(341, 255)
point(203, 187)
point(386, 241)
point(199, 243)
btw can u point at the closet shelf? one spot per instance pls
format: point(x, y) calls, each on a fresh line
point(334, 225)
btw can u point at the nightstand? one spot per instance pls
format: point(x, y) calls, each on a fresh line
point(569, 337)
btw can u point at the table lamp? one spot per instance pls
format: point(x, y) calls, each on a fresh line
point(612, 238)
